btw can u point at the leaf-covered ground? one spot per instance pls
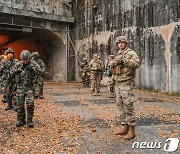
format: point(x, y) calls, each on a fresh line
point(70, 120)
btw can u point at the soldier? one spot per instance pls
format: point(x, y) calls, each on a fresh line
point(4, 99)
point(9, 82)
point(96, 69)
point(125, 64)
point(25, 71)
point(38, 91)
point(102, 66)
point(108, 73)
point(1, 80)
point(85, 75)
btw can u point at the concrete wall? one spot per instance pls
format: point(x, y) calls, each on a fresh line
point(46, 9)
point(153, 30)
point(47, 22)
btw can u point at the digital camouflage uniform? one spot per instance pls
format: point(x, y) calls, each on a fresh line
point(38, 89)
point(110, 81)
point(9, 85)
point(96, 72)
point(125, 64)
point(124, 84)
point(25, 76)
point(85, 74)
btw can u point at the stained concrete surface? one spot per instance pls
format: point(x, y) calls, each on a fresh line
point(75, 100)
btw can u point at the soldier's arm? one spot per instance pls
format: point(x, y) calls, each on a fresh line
point(15, 69)
point(82, 65)
point(43, 66)
point(102, 66)
point(90, 65)
point(37, 69)
point(117, 60)
point(132, 60)
point(2, 66)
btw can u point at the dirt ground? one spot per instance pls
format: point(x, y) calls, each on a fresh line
point(70, 120)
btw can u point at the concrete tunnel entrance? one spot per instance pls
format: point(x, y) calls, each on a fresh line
point(50, 46)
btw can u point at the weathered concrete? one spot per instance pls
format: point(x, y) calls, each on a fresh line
point(58, 10)
point(99, 122)
point(152, 27)
point(38, 26)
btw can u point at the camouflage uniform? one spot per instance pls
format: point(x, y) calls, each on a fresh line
point(124, 84)
point(1, 80)
point(4, 99)
point(85, 74)
point(108, 73)
point(38, 89)
point(25, 76)
point(96, 70)
point(9, 86)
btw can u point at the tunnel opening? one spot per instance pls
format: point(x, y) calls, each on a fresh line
point(50, 46)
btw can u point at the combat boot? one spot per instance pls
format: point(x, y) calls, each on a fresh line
point(112, 96)
point(98, 94)
point(35, 97)
point(20, 117)
point(123, 130)
point(30, 123)
point(15, 108)
point(9, 106)
point(41, 96)
point(4, 100)
point(20, 123)
point(130, 134)
point(30, 114)
point(93, 93)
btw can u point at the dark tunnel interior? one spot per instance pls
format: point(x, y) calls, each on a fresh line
point(48, 44)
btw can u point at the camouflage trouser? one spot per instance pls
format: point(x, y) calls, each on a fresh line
point(4, 88)
point(124, 100)
point(1, 85)
point(9, 92)
point(85, 78)
point(95, 81)
point(111, 84)
point(38, 86)
point(24, 94)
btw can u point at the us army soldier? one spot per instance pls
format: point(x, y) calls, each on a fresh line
point(125, 64)
point(108, 73)
point(96, 69)
point(85, 74)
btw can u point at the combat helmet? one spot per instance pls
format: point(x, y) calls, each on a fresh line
point(9, 50)
point(1, 57)
point(35, 54)
point(112, 56)
point(121, 39)
point(25, 55)
point(85, 59)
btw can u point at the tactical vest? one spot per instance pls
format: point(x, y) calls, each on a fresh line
point(26, 76)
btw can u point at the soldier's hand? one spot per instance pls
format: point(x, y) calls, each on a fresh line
point(114, 62)
point(23, 73)
point(121, 61)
